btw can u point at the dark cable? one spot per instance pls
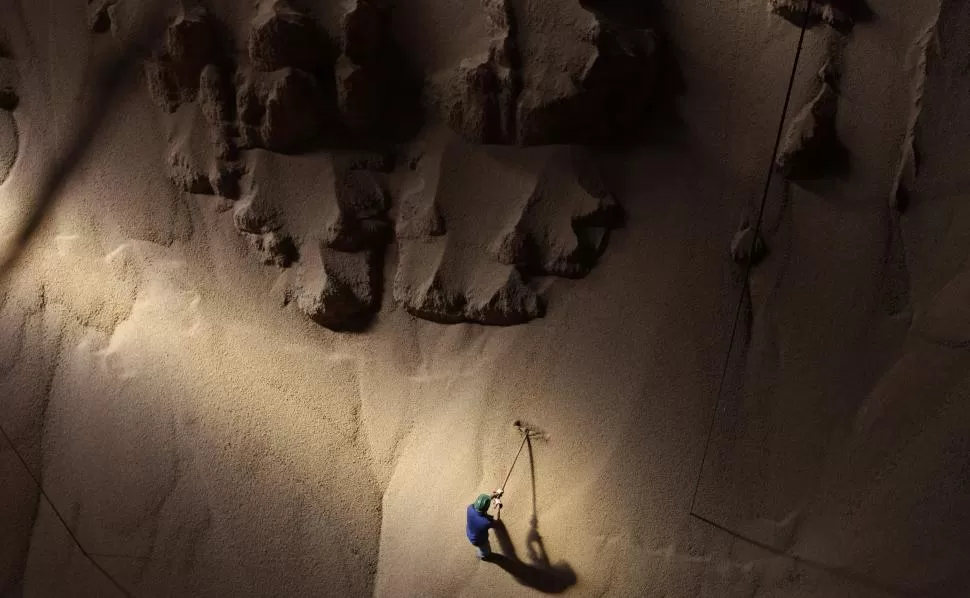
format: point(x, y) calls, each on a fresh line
point(57, 513)
point(835, 571)
point(750, 260)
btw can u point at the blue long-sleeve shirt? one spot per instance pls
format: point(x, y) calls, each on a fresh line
point(478, 525)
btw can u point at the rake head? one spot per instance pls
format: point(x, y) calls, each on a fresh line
point(530, 431)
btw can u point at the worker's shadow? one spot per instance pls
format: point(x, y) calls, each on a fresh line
point(539, 573)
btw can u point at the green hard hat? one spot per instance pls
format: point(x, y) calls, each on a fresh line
point(482, 502)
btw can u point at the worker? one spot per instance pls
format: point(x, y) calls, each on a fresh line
point(479, 521)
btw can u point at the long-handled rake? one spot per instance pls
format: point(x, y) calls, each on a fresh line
point(529, 432)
